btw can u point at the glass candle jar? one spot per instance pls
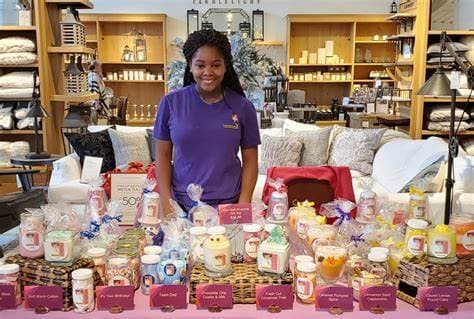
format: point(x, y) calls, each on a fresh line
point(330, 259)
point(138, 234)
point(152, 250)
point(418, 206)
point(59, 246)
point(198, 234)
point(321, 234)
point(217, 253)
point(251, 241)
point(464, 227)
point(370, 272)
point(278, 207)
point(442, 245)
point(118, 272)
point(366, 207)
point(303, 223)
point(149, 206)
point(305, 277)
point(82, 290)
point(134, 259)
point(273, 254)
point(98, 256)
point(415, 238)
point(32, 235)
point(298, 259)
point(150, 264)
point(171, 271)
point(9, 275)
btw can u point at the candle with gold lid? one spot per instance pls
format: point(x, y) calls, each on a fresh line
point(442, 245)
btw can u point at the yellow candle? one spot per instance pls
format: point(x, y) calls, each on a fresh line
point(442, 245)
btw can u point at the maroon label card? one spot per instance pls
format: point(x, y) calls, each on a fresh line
point(235, 214)
point(50, 297)
point(113, 296)
point(209, 296)
point(7, 297)
point(169, 296)
point(274, 295)
point(436, 297)
point(383, 297)
point(328, 297)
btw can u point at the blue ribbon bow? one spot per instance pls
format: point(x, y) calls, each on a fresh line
point(146, 191)
point(195, 203)
point(95, 226)
point(107, 218)
point(87, 234)
point(357, 239)
point(342, 216)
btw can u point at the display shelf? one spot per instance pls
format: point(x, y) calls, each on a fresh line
point(71, 50)
point(132, 63)
point(11, 99)
point(369, 64)
point(74, 99)
point(328, 65)
point(399, 64)
point(269, 43)
point(400, 37)
point(372, 42)
point(19, 132)
point(372, 80)
point(445, 99)
point(17, 28)
point(138, 122)
point(19, 66)
point(440, 133)
point(453, 32)
point(324, 81)
point(79, 4)
point(134, 81)
point(401, 16)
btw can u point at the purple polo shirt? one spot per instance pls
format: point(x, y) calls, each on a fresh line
point(206, 139)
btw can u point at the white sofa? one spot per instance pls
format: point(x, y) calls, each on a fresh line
point(395, 158)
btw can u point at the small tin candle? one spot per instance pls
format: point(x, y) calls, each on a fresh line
point(82, 290)
point(32, 235)
point(252, 234)
point(217, 253)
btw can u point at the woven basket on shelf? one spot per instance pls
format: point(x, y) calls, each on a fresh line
point(75, 84)
point(38, 272)
point(410, 276)
point(73, 33)
point(243, 280)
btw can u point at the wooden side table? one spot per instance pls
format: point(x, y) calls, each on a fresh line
point(27, 162)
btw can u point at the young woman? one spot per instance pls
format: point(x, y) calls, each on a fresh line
point(203, 125)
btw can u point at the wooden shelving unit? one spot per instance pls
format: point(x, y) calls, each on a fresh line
point(17, 28)
point(109, 33)
point(18, 132)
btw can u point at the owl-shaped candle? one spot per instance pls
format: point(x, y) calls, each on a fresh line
point(217, 253)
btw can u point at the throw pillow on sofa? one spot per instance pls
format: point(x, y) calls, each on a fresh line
point(279, 151)
point(354, 148)
point(93, 144)
point(129, 147)
point(315, 146)
point(151, 144)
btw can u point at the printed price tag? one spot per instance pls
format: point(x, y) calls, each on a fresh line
point(115, 298)
point(214, 297)
point(274, 297)
point(437, 298)
point(235, 214)
point(168, 297)
point(7, 297)
point(331, 298)
point(50, 297)
point(378, 299)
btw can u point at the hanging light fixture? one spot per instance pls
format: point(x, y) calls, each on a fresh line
point(258, 26)
point(192, 19)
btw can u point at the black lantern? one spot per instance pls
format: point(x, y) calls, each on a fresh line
point(244, 27)
point(36, 111)
point(257, 25)
point(206, 26)
point(192, 20)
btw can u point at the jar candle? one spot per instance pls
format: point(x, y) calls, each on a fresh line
point(59, 246)
point(442, 245)
point(82, 290)
point(321, 234)
point(217, 253)
point(171, 271)
point(98, 256)
point(150, 265)
point(302, 225)
point(138, 234)
point(152, 250)
point(134, 260)
point(251, 242)
point(330, 259)
point(9, 274)
point(31, 235)
point(464, 226)
point(96, 197)
point(366, 207)
point(149, 206)
point(273, 254)
point(415, 238)
point(418, 205)
point(151, 227)
point(278, 206)
point(118, 272)
point(198, 234)
point(370, 272)
point(298, 259)
point(305, 276)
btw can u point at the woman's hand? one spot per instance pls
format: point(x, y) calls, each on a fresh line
point(249, 173)
point(164, 150)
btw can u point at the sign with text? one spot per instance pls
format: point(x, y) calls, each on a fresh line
point(115, 296)
point(50, 297)
point(235, 214)
point(91, 169)
point(209, 295)
point(174, 296)
point(127, 189)
point(7, 297)
point(436, 297)
point(383, 297)
point(274, 295)
point(328, 297)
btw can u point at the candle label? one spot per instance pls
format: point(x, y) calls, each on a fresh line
point(435, 297)
point(235, 214)
point(378, 296)
point(208, 296)
point(416, 245)
point(328, 297)
point(274, 295)
point(251, 246)
point(81, 296)
point(111, 296)
point(440, 247)
point(119, 280)
point(304, 288)
point(279, 211)
point(169, 295)
point(468, 240)
point(269, 262)
point(302, 228)
point(57, 249)
point(419, 209)
point(31, 240)
point(50, 297)
point(7, 297)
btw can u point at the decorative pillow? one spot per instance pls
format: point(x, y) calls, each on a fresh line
point(20, 148)
point(132, 129)
point(93, 144)
point(8, 93)
point(6, 121)
point(151, 144)
point(129, 147)
point(279, 151)
point(66, 169)
point(468, 145)
point(26, 123)
point(391, 135)
point(426, 178)
point(293, 126)
point(442, 113)
point(315, 146)
point(17, 58)
point(459, 47)
point(444, 126)
point(354, 148)
point(5, 154)
point(16, 44)
point(17, 80)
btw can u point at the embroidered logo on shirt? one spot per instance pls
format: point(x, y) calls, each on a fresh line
point(235, 126)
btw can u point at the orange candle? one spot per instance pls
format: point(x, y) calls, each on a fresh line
point(464, 226)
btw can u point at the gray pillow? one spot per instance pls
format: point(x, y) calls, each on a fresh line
point(129, 147)
point(279, 151)
point(315, 146)
point(354, 148)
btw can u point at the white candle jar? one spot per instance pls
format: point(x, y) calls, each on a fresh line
point(98, 256)
point(59, 246)
point(83, 290)
point(152, 250)
point(217, 253)
point(278, 207)
point(119, 272)
point(32, 235)
point(252, 235)
point(9, 274)
point(273, 256)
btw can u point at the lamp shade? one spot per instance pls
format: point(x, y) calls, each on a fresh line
point(437, 85)
point(36, 109)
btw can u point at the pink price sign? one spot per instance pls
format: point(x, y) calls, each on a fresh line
point(235, 214)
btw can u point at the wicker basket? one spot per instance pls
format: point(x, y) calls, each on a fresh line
point(410, 276)
point(38, 272)
point(75, 84)
point(243, 280)
point(73, 34)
